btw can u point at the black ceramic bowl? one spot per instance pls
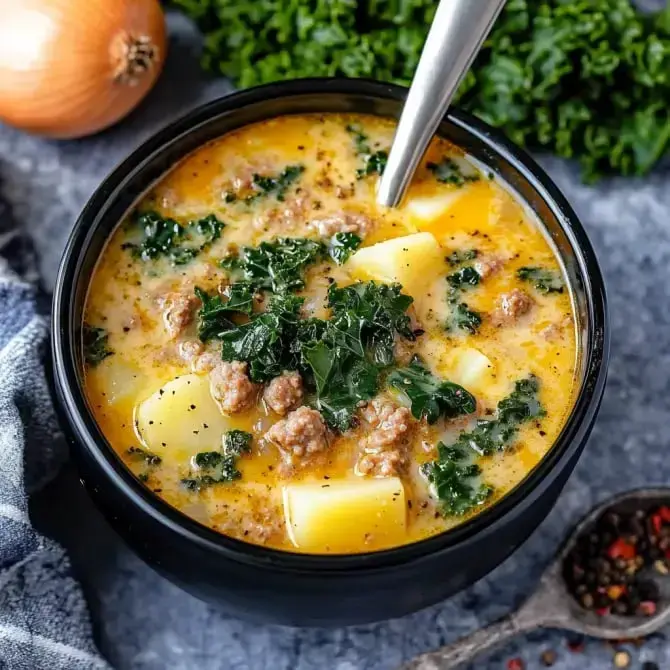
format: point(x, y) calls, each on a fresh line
point(291, 588)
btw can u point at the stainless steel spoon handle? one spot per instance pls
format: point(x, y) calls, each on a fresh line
point(463, 650)
point(455, 37)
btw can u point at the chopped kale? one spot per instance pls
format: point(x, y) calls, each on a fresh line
point(265, 342)
point(374, 162)
point(463, 318)
point(277, 186)
point(95, 342)
point(237, 442)
point(461, 256)
point(216, 467)
point(464, 278)
point(342, 245)
point(448, 171)
point(165, 237)
point(544, 280)
point(455, 481)
point(215, 314)
point(431, 398)
point(138, 454)
point(276, 266)
point(488, 436)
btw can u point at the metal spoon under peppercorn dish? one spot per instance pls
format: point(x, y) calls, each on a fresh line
point(552, 606)
point(456, 35)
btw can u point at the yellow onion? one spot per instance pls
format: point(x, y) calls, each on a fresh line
point(69, 68)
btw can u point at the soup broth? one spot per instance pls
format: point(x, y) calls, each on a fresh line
point(292, 365)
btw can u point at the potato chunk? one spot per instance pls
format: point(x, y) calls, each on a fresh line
point(423, 210)
point(345, 515)
point(181, 419)
point(412, 261)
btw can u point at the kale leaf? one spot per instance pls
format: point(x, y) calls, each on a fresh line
point(544, 280)
point(431, 398)
point(374, 162)
point(342, 245)
point(215, 314)
point(446, 474)
point(165, 237)
point(448, 171)
point(265, 342)
point(267, 185)
point(454, 481)
point(95, 342)
point(586, 79)
point(461, 256)
point(138, 454)
point(216, 467)
point(461, 316)
point(277, 266)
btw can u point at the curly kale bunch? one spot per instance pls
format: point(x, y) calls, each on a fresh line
point(585, 79)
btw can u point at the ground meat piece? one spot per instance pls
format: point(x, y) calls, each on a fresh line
point(299, 436)
point(488, 265)
point(343, 222)
point(513, 305)
point(280, 220)
point(555, 331)
point(385, 451)
point(284, 392)
point(231, 388)
point(178, 309)
point(189, 350)
point(205, 362)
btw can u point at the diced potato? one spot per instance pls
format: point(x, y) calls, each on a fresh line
point(412, 261)
point(466, 366)
point(345, 515)
point(181, 419)
point(423, 210)
point(120, 380)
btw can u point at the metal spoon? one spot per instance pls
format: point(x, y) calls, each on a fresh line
point(551, 606)
point(456, 35)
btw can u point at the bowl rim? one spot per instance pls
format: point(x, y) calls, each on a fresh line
point(88, 436)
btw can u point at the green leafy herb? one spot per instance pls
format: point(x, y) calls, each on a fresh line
point(586, 79)
point(448, 171)
point(237, 442)
point(216, 313)
point(461, 256)
point(544, 280)
point(374, 163)
point(266, 185)
point(342, 245)
point(448, 474)
point(276, 266)
point(431, 398)
point(165, 237)
point(461, 316)
point(266, 342)
point(216, 467)
point(142, 455)
point(95, 341)
point(455, 481)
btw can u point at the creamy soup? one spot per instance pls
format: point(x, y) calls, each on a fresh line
point(289, 364)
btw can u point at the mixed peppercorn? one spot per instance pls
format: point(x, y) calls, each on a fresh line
point(605, 571)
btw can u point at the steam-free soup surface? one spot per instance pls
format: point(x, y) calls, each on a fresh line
point(284, 361)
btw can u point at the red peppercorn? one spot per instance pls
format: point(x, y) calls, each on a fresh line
point(515, 664)
point(621, 549)
point(647, 607)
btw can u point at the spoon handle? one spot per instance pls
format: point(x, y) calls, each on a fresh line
point(467, 647)
point(455, 37)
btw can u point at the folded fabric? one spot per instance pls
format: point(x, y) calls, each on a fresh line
point(44, 620)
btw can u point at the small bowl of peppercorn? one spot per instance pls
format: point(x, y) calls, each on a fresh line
point(611, 580)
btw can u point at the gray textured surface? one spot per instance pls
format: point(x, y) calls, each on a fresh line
point(145, 623)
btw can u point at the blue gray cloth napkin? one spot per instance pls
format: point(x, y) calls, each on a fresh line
point(44, 621)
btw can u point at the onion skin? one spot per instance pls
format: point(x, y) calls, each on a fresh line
point(70, 68)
